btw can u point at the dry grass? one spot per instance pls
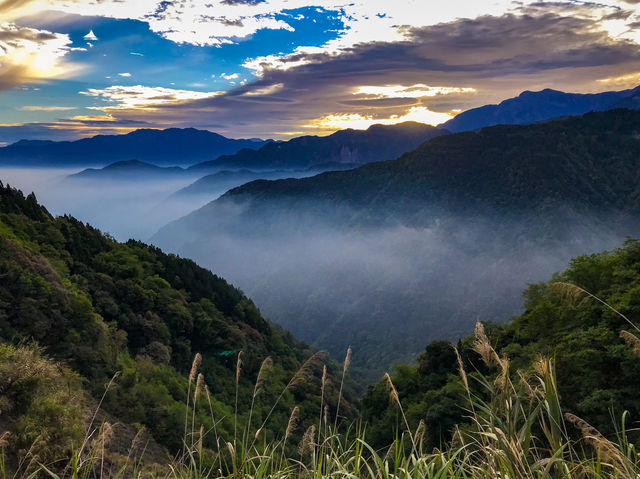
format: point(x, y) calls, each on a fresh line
point(517, 430)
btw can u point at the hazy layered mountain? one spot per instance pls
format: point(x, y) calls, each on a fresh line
point(128, 170)
point(173, 146)
point(391, 255)
point(222, 181)
point(345, 148)
point(532, 107)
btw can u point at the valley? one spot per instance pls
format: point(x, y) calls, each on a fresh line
point(202, 305)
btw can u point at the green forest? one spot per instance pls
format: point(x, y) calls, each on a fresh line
point(100, 308)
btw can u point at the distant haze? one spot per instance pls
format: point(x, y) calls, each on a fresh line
point(392, 255)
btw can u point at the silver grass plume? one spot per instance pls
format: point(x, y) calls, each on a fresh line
point(574, 296)
point(347, 361)
point(463, 373)
point(306, 370)
point(307, 445)
point(631, 340)
point(194, 367)
point(345, 367)
point(419, 436)
point(482, 346)
point(239, 366)
point(324, 380)
point(503, 378)
point(263, 374)
point(199, 443)
point(292, 425)
point(605, 448)
point(199, 388)
point(393, 393)
point(573, 293)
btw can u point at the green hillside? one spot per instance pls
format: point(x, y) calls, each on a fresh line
point(101, 307)
point(583, 162)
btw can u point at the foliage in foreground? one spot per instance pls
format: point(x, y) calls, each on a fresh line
point(598, 373)
point(512, 422)
point(516, 429)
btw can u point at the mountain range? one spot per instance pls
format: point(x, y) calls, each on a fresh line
point(128, 170)
point(416, 243)
point(224, 180)
point(208, 151)
point(173, 146)
point(343, 149)
point(532, 107)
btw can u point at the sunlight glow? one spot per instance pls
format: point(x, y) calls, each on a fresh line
point(419, 90)
point(28, 54)
point(357, 121)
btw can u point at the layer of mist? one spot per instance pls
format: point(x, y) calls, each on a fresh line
point(387, 290)
point(131, 209)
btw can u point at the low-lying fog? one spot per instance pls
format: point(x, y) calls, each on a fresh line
point(385, 291)
point(124, 209)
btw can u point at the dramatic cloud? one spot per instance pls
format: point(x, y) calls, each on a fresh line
point(216, 22)
point(46, 108)
point(31, 55)
point(429, 76)
point(414, 91)
point(386, 62)
point(143, 97)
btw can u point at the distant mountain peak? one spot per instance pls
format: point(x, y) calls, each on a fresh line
point(535, 106)
point(129, 164)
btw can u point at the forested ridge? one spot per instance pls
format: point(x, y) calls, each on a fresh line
point(578, 162)
point(103, 307)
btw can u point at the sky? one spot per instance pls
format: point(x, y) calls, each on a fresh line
point(283, 68)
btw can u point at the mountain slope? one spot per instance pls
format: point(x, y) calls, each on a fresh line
point(393, 253)
point(532, 107)
point(101, 306)
point(222, 181)
point(173, 146)
point(345, 147)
